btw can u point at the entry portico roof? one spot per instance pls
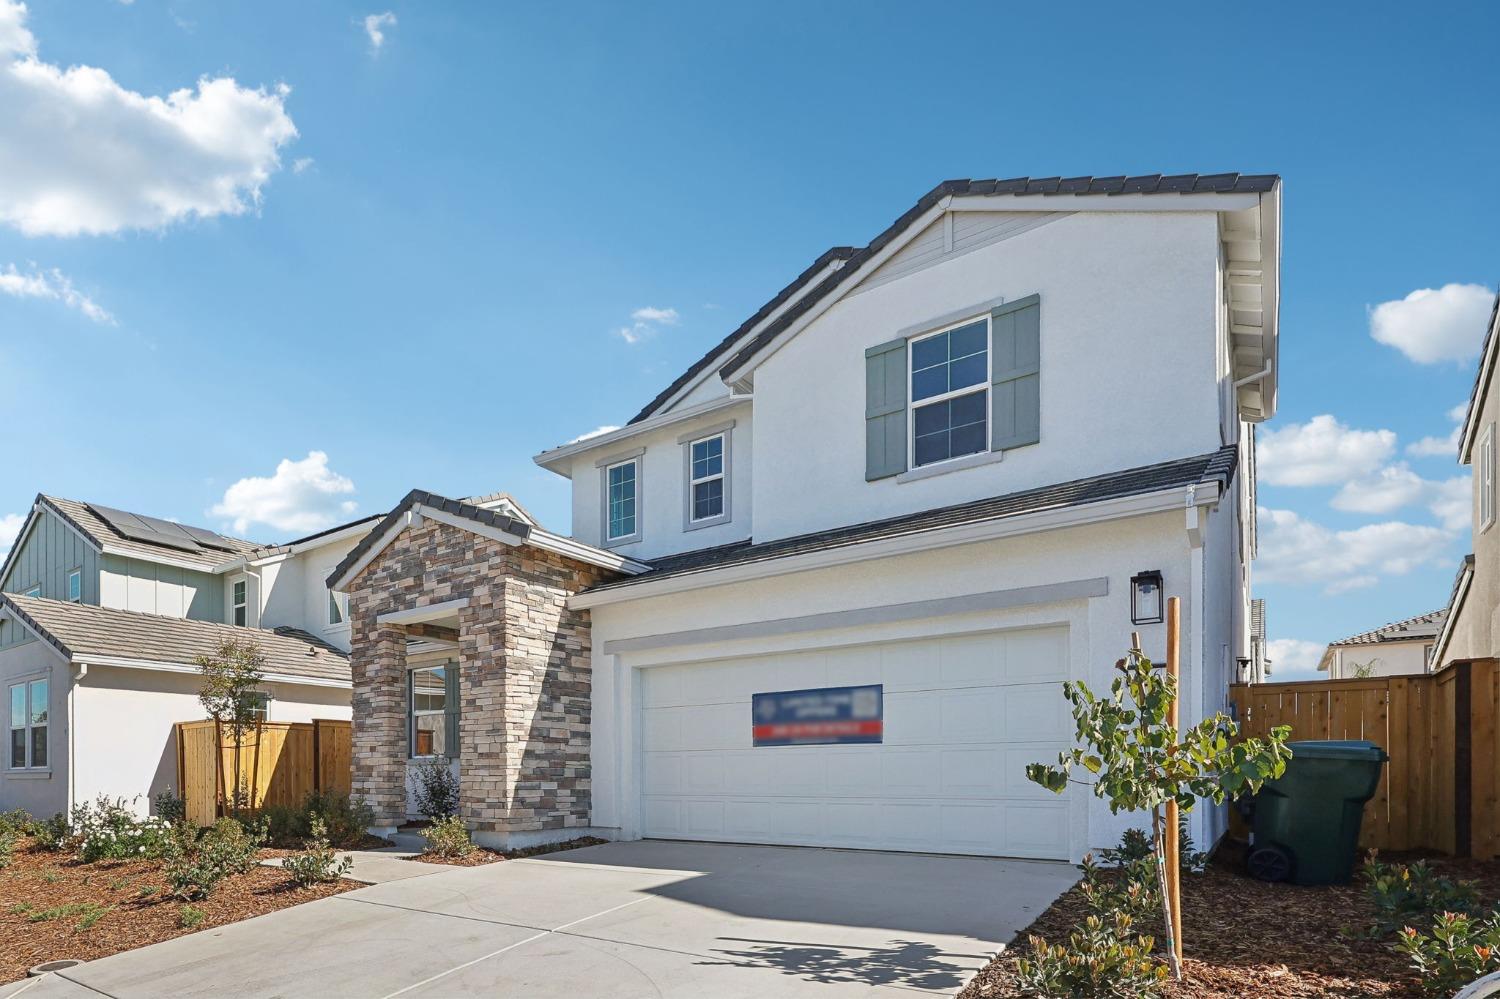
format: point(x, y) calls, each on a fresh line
point(494, 524)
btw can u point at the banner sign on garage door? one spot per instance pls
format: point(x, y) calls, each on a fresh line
point(826, 716)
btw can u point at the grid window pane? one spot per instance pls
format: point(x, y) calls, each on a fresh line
point(950, 428)
point(950, 361)
point(429, 711)
point(708, 499)
point(708, 458)
point(622, 483)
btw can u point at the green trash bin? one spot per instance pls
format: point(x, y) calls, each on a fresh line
point(1306, 824)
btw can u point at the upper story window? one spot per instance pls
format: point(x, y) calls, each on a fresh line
point(35, 590)
point(338, 608)
point(240, 603)
point(1487, 478)
point(705, 459)
point(950, 382)
point(75, 586)
point(28, 724)
point(622, 501)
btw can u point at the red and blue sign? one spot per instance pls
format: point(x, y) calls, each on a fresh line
point(822, 717)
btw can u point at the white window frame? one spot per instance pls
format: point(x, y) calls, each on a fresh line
point(605, 467)
point(986, 386)
point(26, 683)
point(338, 603)
point(412, 714)
point(75, 574)
point(239, 602)
point(724, 433)
point(1486, 479)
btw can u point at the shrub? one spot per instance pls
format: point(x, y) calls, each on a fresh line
point(317, 863)
point(347, 819)
point(1135, 845)
point(169, 807)
point(224, 849)
point(1132, 889)
point(436, 791)
point(51, 834)
point(1458, 950)
point(1413, 893)
point(189, 916)
point(449, 838)
point(285, 826)
point(1103, 959)
point(110, 830)
point(17, 821)
point(8, 839)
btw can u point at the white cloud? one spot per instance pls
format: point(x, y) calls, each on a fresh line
point(54, 285)
point(1442, 447)
point(375, 25)
point(647, 321)
point(302, 496)
point(10, 529)
point(1320, 452)
point(1432, 325)
point(81, 154)
point(301, 163)
point(1297, 551)
point(598, 432)
point(1294, 658)
point(1386, 491)
point(1452, 502)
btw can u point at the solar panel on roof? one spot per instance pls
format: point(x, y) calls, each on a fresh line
point(155, 531)
point(208, 538)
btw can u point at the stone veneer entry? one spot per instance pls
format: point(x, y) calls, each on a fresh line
point(524, 680)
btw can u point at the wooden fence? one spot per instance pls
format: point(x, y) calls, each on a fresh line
point(279, 763)
point(1441, 789)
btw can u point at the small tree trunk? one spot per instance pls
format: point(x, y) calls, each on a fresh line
point(1158, 846)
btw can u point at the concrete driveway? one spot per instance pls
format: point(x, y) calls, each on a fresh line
point(622, 920)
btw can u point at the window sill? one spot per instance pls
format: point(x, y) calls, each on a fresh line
point(951, 465)
point(698, 525)
point(613, 543)
point(29, 774)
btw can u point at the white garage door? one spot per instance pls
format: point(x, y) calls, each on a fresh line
point(963, 717)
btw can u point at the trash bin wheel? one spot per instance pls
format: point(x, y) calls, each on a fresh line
point(1270, 863)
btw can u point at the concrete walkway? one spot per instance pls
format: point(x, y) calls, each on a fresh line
point(390, 863)
point(623, 921)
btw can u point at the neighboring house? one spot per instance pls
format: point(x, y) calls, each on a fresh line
point(824, 589)
point(102, 617)
point(1256, 667)
point(1402, 648)
point(1473, 630)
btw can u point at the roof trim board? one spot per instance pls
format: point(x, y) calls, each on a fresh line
point(555, 460)
point(1488, 360)
point(167, 666)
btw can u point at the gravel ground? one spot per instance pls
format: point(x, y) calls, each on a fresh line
point(1246, 938)
point(98, 909)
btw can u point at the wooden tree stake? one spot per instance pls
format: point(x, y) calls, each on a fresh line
point(1173, 822)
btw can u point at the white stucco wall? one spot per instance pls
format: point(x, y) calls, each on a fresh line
point(41, 792)
point(1383, 659)
point(1128, 374)
point(292, 592)
point(123, 741)
point(1099, 632)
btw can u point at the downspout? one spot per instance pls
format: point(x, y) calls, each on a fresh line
point(83, 671)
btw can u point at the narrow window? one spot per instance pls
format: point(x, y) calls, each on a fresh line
point(707, 483)
point(241, 610)
point(432, 720)
point(336, 607)
point(1487, 478)
point(622, 480)
point(28, 725)
point(75, 586)
point(33, 591)
point(950, 378)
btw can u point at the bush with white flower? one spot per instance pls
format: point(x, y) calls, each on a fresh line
point(109, 829)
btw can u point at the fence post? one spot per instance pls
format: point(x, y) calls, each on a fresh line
point(317, 756)
point(1463, 759)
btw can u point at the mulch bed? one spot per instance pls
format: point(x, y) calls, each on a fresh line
point(37, 881)
point(1246, 938)
point(482, 856)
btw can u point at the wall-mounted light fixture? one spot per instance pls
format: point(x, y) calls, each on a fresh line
point(1147, 603)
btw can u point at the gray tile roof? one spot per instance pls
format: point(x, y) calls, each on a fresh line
point(1218, 466)
point(286, 546)
point(86, 522)
point(1412, 629)
point(1151, 183)
point(458, 508)
point(83, 630)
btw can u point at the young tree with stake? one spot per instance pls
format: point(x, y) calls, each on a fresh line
point(231, 678)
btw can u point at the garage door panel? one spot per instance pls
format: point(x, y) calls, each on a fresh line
point(963, 716)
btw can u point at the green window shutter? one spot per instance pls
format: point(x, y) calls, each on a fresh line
point(885, 410)
point(450, 711)
point(1015, 392)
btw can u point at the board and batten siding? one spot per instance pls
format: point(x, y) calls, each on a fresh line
point(51, 550)
point(137, 585)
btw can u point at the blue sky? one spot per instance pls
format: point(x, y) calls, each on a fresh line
point(418, 262)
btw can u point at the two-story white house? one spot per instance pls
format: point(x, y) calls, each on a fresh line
point(825, 588)
point(102, 615)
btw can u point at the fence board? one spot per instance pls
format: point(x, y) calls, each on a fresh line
point(279, 763)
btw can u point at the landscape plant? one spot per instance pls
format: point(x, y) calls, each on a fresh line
point(8, 839)
point(316, 863)
point(1457, 950)
point(227, 847)
point(436, 790)
point(232, 679)
point(51, 834)
point(169, 807)
point(1139, 761)
point(449, 837)
point(1404, 894)
point(1104, 958)
point(109, 829)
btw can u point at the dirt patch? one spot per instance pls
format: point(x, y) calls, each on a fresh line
point(1247, 938)
point(481, 856)
point(53, 907)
